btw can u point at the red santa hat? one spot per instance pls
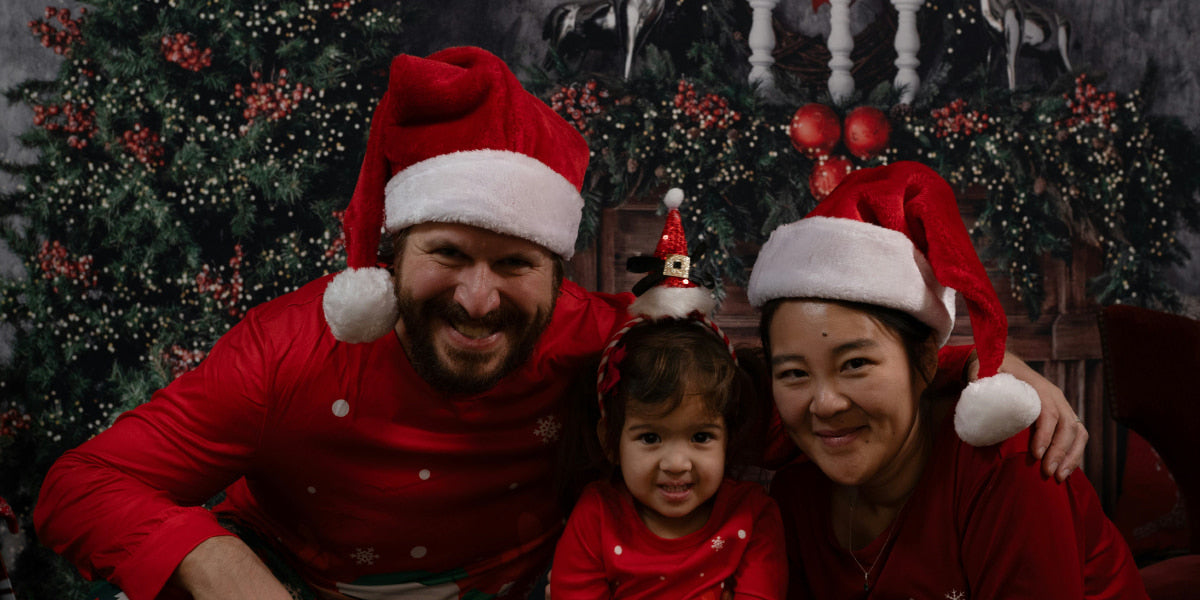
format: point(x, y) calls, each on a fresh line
point(455, 139)
point(892, 236)
point(666, 292)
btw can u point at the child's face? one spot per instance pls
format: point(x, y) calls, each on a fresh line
point(673, 465)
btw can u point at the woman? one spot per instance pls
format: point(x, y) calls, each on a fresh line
point(857, 298)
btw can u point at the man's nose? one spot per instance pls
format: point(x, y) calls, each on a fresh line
point(477, 290)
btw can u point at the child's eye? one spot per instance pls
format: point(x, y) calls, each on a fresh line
point(703, 437)
point(649, 438)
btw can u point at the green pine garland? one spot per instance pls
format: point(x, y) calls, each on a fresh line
point(192, 160)
point(1070, 162)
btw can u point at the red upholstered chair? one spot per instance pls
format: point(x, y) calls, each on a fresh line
point(1152, 380)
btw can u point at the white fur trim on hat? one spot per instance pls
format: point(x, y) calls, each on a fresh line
point(994, 409)
point(661, 302)
point(842, 259)
point(502, 191)
point(360, 305)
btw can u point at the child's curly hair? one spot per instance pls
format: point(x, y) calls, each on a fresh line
point(662, 360)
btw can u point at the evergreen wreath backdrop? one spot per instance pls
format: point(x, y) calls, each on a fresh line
point(194, 158)
point(1057, 162)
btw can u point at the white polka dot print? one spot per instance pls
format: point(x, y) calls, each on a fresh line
point(423, 474)
point(312, 490)
point(341, 408)
point(741, 534)
point(419, 552)
point(617, 550)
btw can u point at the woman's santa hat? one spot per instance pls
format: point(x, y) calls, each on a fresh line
point(455, 139)
point(892, 236)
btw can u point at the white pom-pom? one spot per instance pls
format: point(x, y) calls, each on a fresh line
point(674, 198)
point(360, 305)
point(659, 302)
point(994, 409)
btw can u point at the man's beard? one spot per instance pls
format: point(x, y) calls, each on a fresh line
point(468, 378)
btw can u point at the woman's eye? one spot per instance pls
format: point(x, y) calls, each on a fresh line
point(791, 374)
point(856, 363)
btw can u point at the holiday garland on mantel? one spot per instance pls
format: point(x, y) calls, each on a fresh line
point(193, 160)
point(1066, 163)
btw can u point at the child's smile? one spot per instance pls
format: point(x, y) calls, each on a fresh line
point(673, 464)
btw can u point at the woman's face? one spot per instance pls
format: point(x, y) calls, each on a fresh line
point(845, 390)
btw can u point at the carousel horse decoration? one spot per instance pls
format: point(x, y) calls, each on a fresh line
point(576, 27)
point(1022, 23)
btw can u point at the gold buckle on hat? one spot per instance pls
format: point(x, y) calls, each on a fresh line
point(677, 265)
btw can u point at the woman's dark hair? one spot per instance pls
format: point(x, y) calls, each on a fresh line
point(914, 335)
point(662, 360)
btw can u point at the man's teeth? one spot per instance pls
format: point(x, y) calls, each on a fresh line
point(473, 331)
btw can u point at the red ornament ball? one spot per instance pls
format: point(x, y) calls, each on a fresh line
point(815, 130)
point(868, 131)
point(827, 174)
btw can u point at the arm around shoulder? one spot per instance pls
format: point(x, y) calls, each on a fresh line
point(1021, 537)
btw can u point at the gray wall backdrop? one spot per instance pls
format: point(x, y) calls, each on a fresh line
point(1120, 37)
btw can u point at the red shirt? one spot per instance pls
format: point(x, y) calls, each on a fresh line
point(982, 523)
point(608, 552)
point(340, 453)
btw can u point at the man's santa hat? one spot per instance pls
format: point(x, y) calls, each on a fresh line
point(455, 139)
point(892, 236)
point(666, 292)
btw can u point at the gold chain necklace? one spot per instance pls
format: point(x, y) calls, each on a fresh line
point(892, 527)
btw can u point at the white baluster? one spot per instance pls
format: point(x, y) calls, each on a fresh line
point(841, 82)
point(907, 44)
point(762, 44)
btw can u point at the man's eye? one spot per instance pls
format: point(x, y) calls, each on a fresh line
point(448, 252)
point(516, 263)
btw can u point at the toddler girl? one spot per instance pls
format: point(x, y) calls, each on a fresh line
point(667, 522)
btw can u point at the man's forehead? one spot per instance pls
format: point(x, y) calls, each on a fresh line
point(471, 236)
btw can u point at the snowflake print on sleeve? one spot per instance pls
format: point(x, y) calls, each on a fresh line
point(548, 429)
point(364, 556)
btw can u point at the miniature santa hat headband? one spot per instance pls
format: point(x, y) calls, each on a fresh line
point(455, 139)
point(892, 236)
point(666, 292)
